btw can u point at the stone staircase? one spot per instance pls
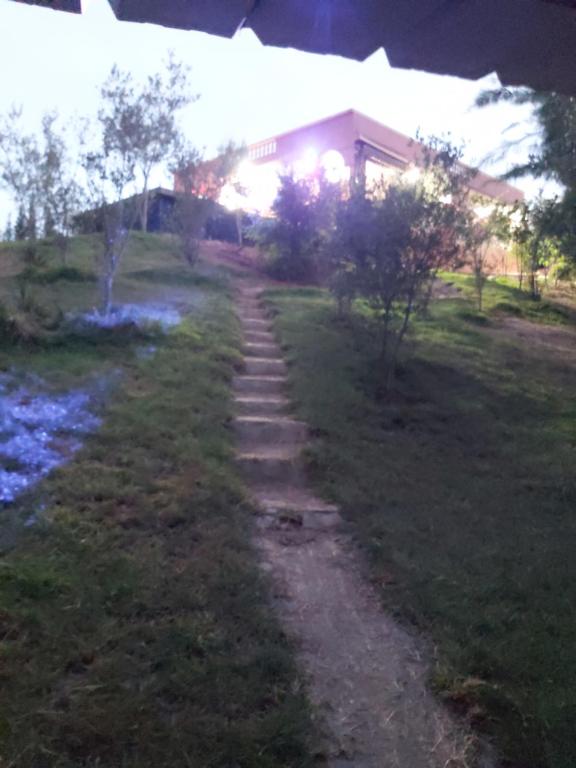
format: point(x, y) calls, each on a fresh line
point(269, 441)
point(366, 675)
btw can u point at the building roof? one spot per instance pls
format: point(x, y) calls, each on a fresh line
point(342, 130)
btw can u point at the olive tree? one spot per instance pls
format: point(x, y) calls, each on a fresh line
point(142, 118)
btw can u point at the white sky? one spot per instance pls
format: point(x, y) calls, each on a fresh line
point(248, 92)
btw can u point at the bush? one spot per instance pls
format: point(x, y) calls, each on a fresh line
point(291, 239)
point(8, 327)
point(508, 308)
point(55, 274)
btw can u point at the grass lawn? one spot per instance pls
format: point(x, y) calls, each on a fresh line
point(461, 489)
point(135, 630)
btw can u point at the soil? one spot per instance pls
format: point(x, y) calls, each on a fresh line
point(557, 341)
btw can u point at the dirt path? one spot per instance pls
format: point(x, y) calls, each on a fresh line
point(366, 673)
point(558, 342)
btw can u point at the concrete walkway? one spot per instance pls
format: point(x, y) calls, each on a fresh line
point(366, 674)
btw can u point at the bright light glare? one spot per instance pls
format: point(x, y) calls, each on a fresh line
point(307, 164)
point(412, 175)
point(253, 188)
point(483, 211)
point(334, 166)
point(231, 199)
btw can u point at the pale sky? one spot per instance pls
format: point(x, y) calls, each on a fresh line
point(248, 92)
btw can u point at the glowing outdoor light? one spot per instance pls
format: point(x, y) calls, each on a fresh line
point(483, 211)
point(334, 166)
point(231, 199)
point(412, 175)
point(307, 163)
point(253, 188)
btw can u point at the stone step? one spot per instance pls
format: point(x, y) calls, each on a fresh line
point(252, 314)
point(252, 349)
point(289, 520)
point(261, 405)
point(264, 366)
point(269, 385)
point(256, 325)
point(284, 499)
point(278, 466)
point(270, 431)
point(258, 337)
point(249, 303)
point(252, 292)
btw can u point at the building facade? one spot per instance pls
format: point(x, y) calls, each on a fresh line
point(353, 146)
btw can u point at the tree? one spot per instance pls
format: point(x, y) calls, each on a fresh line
point(39, 175)
point(537, 236)
point(8, 230)
point(20, 159)
point(147, 115)
point(61, 194)
point(481, 235)
point(190, 210)
point(296, 238)
point(109, 167)
point(199, 187)
point(552, 156)
point(389, 246)
point(20, 227)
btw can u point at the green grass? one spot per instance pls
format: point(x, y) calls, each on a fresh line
point(150, 270)
point(135, 627)
point(461, 490)
point(501, 296)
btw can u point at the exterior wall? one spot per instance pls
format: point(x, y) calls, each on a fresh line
point(342, 132)
point(336, 132)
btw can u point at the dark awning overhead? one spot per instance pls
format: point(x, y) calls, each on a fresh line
point(57, 5)
point(526, 42)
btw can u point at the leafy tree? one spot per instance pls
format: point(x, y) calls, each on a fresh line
point(388, 247)
point(304, 216)
point(109, 171)
point(481, 235)
point(190, 210)
point(291, 238)
point(20, 159)
point(537, 237)
point(552, 156)
point(39, 175)
point(147, 117)
point(199, 187)
point(20, 227)
point(61, 194)
point(8, 230)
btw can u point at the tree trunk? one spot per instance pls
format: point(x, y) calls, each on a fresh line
point(239, 227)
point(144, 214)
point(393, 361)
